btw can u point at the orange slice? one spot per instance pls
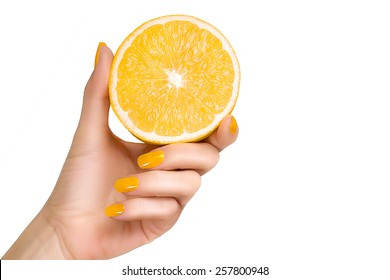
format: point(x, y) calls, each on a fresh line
point(174, 79)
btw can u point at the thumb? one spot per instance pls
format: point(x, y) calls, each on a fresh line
point(94, 115)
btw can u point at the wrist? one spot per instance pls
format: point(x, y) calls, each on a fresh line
point(38, 241)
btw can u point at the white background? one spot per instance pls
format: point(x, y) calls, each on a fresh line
point(304, 190)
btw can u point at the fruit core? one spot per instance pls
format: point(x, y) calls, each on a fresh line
point(175, 79)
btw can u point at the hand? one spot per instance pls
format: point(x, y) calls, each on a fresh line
point(113, 196)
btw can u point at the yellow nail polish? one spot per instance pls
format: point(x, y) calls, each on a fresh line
point(126, 184)
point(98, 52)
point(233, 126)
point(151, 159)
point(115, 210)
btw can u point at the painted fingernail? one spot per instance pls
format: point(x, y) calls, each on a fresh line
point(151, 159)
point(126, 184)
point(98, 52)
point(115, 210)
point(233, 126)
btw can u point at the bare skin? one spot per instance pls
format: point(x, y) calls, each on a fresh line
point(73, 224)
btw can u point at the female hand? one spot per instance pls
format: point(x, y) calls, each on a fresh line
point(113, 196)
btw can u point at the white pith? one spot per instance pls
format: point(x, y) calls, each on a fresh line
point(174, 79)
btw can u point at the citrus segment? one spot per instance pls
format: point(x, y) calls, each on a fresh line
point(174, 79)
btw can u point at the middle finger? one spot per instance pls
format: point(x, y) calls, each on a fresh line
point(159, 183)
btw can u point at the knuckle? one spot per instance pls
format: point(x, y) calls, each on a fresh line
point(213, 155)
point(194, 180)
point(171, 208)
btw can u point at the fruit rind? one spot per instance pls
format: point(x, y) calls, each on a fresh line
point(152, 137)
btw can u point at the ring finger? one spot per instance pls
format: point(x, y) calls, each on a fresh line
point(139, 208)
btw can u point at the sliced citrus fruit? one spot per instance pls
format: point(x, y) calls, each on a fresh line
point(174, 79)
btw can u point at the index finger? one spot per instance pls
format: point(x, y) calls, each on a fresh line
point(225, 135)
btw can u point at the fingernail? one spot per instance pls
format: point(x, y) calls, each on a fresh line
point(98, 52)
point(151, 159)
point(115, 210)
point(233, 126)
point(126, 184)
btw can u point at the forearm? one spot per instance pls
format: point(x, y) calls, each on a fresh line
point(38, 241)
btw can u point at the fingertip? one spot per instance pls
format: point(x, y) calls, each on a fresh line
point(105, 55)
point(97, 56)
point(233, 127)
point(98, 82)
point(228, 130)
point(103, 60)
point(115, 210)
point(225, 135)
